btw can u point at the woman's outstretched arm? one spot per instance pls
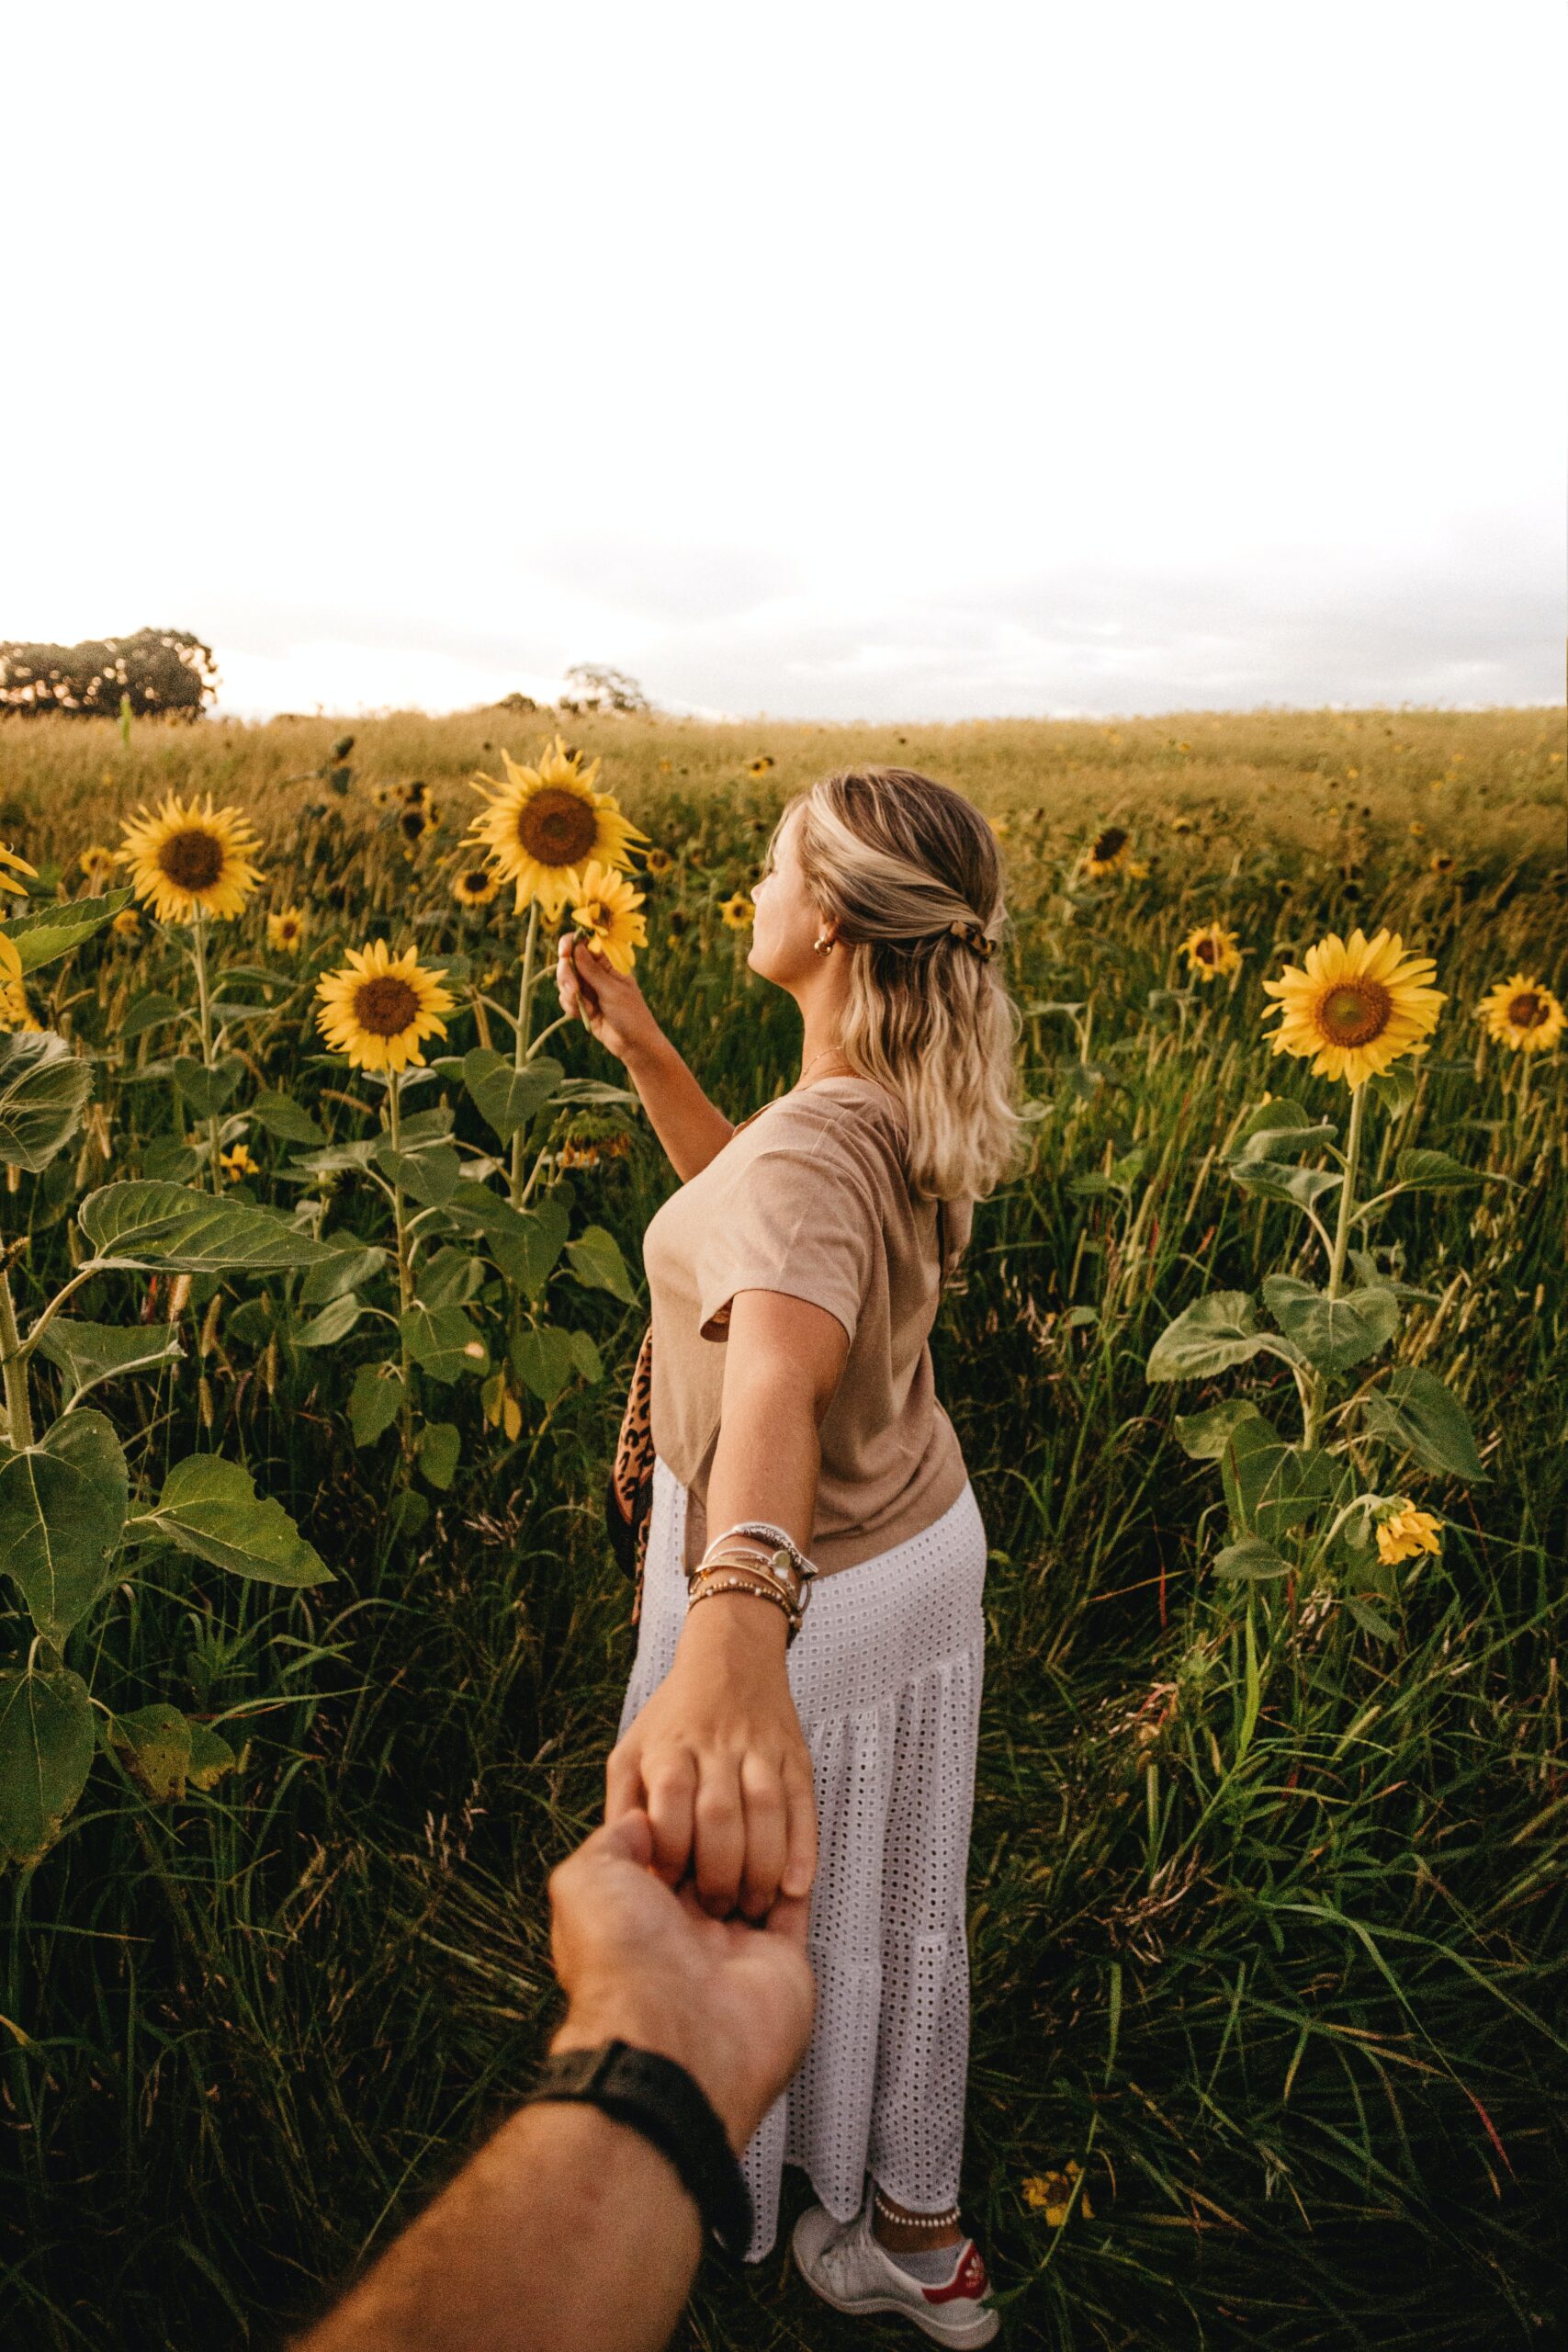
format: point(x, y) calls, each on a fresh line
point(716, 1754)
point(614, 1009)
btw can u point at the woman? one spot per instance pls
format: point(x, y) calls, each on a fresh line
point(795, 1276)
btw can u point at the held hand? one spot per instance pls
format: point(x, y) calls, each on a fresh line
point(610, 1003)
point(732, 2003)
point(717, 1758)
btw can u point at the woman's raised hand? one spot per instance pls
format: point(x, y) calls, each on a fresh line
point(610, 1003)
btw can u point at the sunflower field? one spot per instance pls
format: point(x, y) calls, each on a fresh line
point(320, 1285)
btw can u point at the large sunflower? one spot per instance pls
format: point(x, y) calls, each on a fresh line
point(1357, 1007)
point(1211, 950)
point(190, 861)
point(1520, 1012)
point(605, 912)
point(545, 825)
point(380, 1008)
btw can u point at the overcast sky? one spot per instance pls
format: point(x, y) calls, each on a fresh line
point(845, 360)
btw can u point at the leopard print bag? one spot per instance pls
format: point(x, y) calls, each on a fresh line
point(629, 1495)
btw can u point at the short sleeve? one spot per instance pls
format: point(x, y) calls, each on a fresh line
point(800, 1217)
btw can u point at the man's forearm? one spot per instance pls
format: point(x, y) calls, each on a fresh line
point(691, 1128)
point(568, 2228)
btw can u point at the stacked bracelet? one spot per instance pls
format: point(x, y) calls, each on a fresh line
point(782, 1574)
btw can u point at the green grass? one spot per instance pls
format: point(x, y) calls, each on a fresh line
point(1267, 1925)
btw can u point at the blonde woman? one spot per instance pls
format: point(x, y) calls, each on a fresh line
point(794, 1276)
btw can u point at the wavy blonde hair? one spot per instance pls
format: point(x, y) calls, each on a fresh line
point(897, 858)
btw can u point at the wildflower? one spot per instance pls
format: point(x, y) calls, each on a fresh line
point(1439, 862)
point(544, 826)
point(127, 923)
point(1051, 2193)
point(8, 858)
point(658, 861)
point(1403, 1532)
point(476, 885)
point(1183, 825)
point(414, 826)
point(1109, 852)
point(1357, 1007)
point(98, 865)
point(1522, 1014)
point(238, 1164)
point(285, 930)
point(760, 764)
point(606, 913)
point(738, 914)
point(1418, 830)
point(380, 1008)
point(1211, 950)
point(190, 861)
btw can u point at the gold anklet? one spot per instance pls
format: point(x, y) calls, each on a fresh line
point(914, 2220)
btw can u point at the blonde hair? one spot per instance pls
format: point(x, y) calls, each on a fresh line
point(896, 859)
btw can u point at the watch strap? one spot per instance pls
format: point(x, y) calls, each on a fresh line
point(660, 2098)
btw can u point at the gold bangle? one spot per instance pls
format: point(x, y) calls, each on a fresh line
point(761, 1591)
point(775, 1565)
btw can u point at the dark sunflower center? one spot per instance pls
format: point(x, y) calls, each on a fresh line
point(1356, 1012)
point(192, 860)
point(592, 915)
point(1207, 951)
point(1527, 1011)
point(1110, 844)
point(385, 1005)
point(556, 828)
point(413, 824)
point(477, 882)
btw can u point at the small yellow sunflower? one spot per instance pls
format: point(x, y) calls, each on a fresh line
point(1051, 2193)
point(1211, 950)
point(415, 825)
point(380, 1008)
point(190, 861)
point(1439, 862)
point(603, 910)
point(545, 826)
point(737, 913)
point(760, 764)
point(8, 859)
point(127, 923)
point(98, 865)
point(1183, 824)
point(285, 930)
point(238, 1164)
point(658, 861)
point(1357, 1006)
point(476, 885)
point(1111, 852)
point(15, 1013)
point(1403, 1532)
point(1522, 1014)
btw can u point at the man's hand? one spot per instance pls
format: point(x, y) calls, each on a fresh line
point(644, 1964)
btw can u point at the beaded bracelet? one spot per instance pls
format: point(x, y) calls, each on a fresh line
point(761, 1591)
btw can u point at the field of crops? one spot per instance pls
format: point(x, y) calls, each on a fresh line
point(311, 1648)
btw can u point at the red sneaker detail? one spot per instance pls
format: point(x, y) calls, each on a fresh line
point(969, 2279)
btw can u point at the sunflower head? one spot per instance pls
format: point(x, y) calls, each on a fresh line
point(1211, 950)
point(1403, 1532)
point(1357, 1006)
point(1110, 848)
point(285, 930)
point(238, 1164)
point(605, 912)
point(127, 924)
point(760, 764)
point(380, 1008)
point(658, 861)
point(414, 825)
point(545, 826)
point(1523, 1014)
point(192, 861)
point(738, 914)
point(13, 1008)
point(96, 863)
point(476, 885)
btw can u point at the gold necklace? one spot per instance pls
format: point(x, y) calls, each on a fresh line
point(812, 1064)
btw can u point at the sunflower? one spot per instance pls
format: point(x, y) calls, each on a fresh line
point(238, 1164)
point(760, 764)
point(544, 826)
point(285, 930)
point(414, 826)
point(190, 861)
point(1439, 862)
point(1403, 1532)
point(8, 858)
point(739, 913)
point(1211, 950)
point(381, 1007)
point(1357, 1007)
point(1051, 2193)
point(98, 865)
point(658, 861)
point(15, 1013)
point(603, 911)
point(127, 923)
point(1523, 1014)
point(1111, 852)
point(1183, 824)
point(476, 885)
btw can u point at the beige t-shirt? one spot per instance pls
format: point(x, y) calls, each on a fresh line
point(809, 1197)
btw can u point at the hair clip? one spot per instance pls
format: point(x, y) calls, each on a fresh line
point(974, 938)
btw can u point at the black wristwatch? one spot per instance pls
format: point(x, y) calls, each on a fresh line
point(668, 2106)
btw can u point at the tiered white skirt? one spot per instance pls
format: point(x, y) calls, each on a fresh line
point(887, 1677)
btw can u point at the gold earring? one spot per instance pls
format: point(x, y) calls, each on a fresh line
point(824, 946)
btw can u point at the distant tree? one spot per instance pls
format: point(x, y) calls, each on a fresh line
point(594, 688)
point(156, 669)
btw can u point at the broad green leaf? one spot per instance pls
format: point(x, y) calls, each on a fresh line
point(589, 1362)
point(524, 1243)
point(210, 1756)
point(1395, 1087)
point(154, 1744)
point(1204, 1436)
point(1250, 1557)
point(46, 1753)
point(409, 1512)
point(334, 1322)
point(1434, 1171)
point(544, 1359)
point(595, 1258)
point(151, 1224)
point(50, 933)
point(1276, 1182)
point(206, 1093)
point(439, 1445)
point(507, 1097)
point(1212, 1335)
point(209, 1505)
point(1271, 1487)
point(43, 1089)
point(62, 1505)
point(1284, 1117)
point(167, 1160)
point(336, 1158)
point(1370, 1620)
point(443, 1341)
point(148, 1011)
point(280, 1116)
point(343, 1270)
point(430, 1176)
point(1332, 1333)
point(1417, 1414)
point(1280, 1144)
point(375, 1401)
point(89, 1353)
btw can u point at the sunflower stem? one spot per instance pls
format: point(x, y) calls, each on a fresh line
point(18, 1403)
point(520, 1044)
point(1312, 1414)
point(405, 1268)
point(198, 930)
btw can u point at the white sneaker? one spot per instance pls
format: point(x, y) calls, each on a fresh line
point(842, 2262)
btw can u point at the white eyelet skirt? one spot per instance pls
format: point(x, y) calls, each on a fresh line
point(885, 1674)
